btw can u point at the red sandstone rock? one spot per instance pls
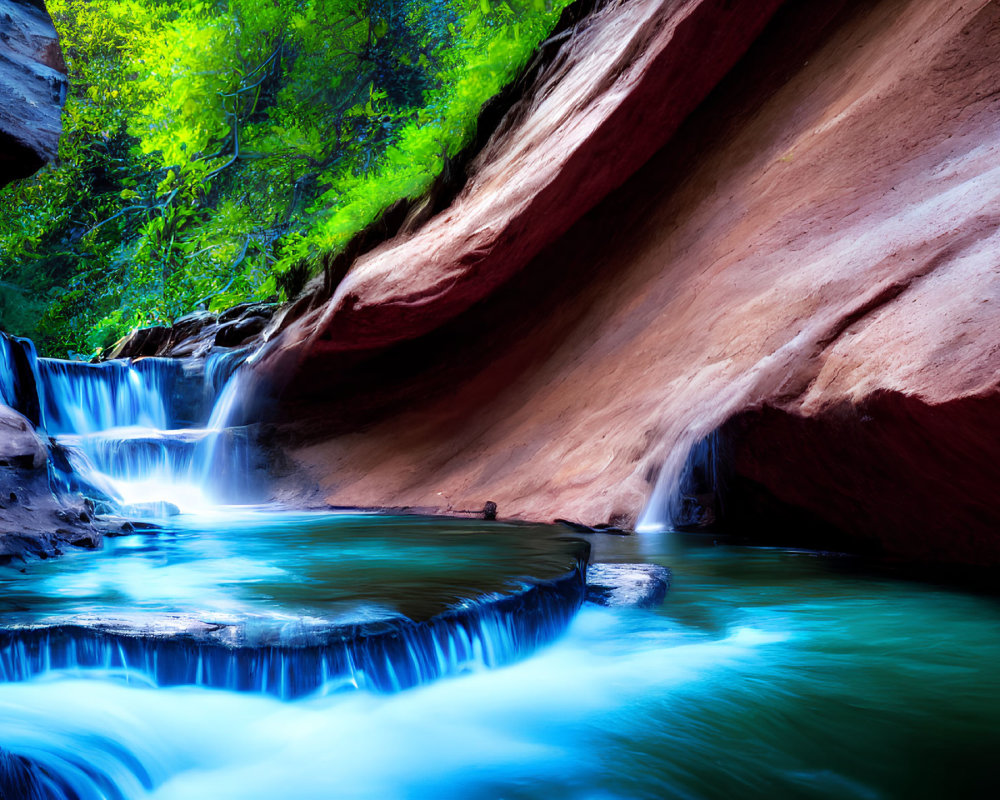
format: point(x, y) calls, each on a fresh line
point(638, 68)
point(33, 521)
point(821, 239)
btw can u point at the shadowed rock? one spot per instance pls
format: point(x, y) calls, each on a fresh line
point(627, 585)
point(32, 88)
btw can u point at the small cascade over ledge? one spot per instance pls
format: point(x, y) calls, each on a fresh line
point(146, 437)
point(386, 656)
point(687, 492)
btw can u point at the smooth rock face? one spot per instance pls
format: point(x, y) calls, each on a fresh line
point(818, 242)
point(627, 585)
point(626, 68)
point(32, 88)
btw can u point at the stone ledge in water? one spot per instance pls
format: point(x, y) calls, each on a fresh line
point(627, 585)
point(300, 657)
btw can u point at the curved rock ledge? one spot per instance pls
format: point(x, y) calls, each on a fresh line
point(385, 656)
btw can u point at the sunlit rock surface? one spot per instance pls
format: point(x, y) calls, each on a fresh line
point(32, 88)
point(816, 247)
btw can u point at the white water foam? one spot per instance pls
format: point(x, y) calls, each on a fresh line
point(541, 719)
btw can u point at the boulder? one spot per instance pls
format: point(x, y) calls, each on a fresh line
point(141, 342)
point(236, 332)
point(20, 446)
point(33, 520)
point(192, 335)
point(627, 585)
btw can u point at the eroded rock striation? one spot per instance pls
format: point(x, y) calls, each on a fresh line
point(807, 267)
point(32, 88)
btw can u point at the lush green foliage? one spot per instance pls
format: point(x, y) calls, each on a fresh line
point(213, 150)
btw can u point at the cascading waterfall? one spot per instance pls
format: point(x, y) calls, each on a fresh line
point(150, 436)
point(220, 608)
point(389, 656)
point(82, 398)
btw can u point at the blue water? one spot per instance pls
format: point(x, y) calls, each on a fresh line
point(142, 437)
point(238, 653)
point(767, 673)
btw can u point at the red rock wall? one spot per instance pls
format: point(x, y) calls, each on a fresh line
point(638, 67)
point(821, 233)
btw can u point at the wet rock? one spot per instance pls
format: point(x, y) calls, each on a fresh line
point(490, 510)
point(245, 311)
point(33, 520)
point(627, 585)
point(20, 446)
point(32, 88)
point(141, 342)
point(192, 335)
point(235, 333)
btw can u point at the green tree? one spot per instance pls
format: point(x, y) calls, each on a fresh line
point(214, 149)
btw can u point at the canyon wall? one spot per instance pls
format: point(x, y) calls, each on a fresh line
point(807, 266)
point(32, 88)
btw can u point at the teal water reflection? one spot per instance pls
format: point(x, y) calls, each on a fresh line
point(341, 567)
point(766, 674)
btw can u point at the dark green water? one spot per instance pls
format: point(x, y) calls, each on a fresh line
point(766, 674)
point(284, 566)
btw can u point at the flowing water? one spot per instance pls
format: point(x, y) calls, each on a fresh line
point(767, 673)
point(145, 437)
point(240, 653)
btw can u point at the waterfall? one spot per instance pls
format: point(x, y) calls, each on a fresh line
point(82, 398)
point(18, 376)
point(686, 494)
point(386, 656)
point(148, 437)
